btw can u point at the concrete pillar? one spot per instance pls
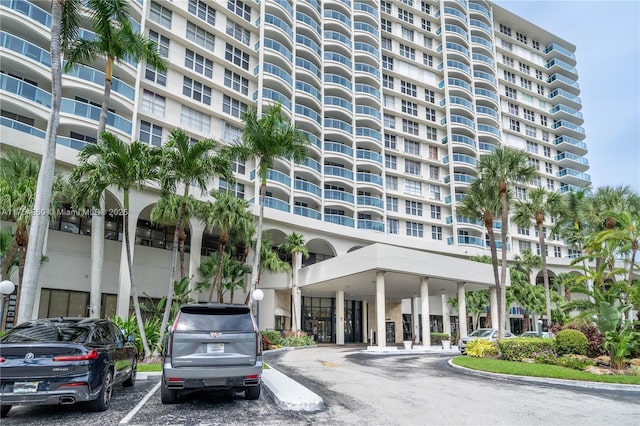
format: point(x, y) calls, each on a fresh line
point(415, 321)
point(446, 315)
point(424, 308)
point(462, 312)
point(380, 309)
point(340, 317)
point(196, 229)
point(365, 322)
point(297, 299)
point(493, 306)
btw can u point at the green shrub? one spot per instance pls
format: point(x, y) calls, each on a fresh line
point(297, 338)
point(521, 348)
point(437, 338)
point(274, 337)
point(571, 342)
point(575, 362)
point(481, 348)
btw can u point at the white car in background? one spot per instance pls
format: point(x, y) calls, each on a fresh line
point(490, 334)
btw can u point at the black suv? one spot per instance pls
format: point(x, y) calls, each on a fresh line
point(212, 346)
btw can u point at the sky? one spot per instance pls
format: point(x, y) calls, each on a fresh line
point(607, 39)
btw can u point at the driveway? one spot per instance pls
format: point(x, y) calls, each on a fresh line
point(424, 390)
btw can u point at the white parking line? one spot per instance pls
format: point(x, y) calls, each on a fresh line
point(137, 408)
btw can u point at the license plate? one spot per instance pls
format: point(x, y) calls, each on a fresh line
point(215, 348)
point(25, 387)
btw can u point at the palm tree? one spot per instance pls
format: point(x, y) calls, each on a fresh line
point(64, 29)
point(115, 41)
point(530, 297)
point(541, 204)
point(502, 168)
point(124, 166)
point(526, 261)
point(6, 263)
point(268, 138)
point(228, 214)
point(481, 201)
point(294, 246)
point(269, 261)
point(187, 164)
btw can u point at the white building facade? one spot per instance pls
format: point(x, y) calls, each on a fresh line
point(399, 100)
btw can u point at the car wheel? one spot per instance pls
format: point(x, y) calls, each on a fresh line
point(168, 396)
point(252, 392)
point(101, 403)
point(131, 380)
point(4, 410)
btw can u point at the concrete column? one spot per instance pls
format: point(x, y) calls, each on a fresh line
point(446, 315)
point(415, 322)
point(297, 299)
point(340, 317)
point(380, 309)
point(462, 312)
point(365, 322)
point(424, 308)
point(493, 306)
point(196, 229)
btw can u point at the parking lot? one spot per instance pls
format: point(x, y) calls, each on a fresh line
point(361, 389)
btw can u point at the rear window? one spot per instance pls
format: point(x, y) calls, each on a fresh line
point(482, 333)
point(227, 319)
point(47, 333)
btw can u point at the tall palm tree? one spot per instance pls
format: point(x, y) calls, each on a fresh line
point(227, 214)
point(64, 29)
point(295, 246)
point(187, 164)
point(266, 139)
point(540, 205)
point(526, 261)
point(269, 261)
point(115, 41)
point(481, 201)
point(124, 166)
point(504, 167)
point(6, 263)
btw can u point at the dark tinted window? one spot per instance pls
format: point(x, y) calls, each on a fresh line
point(116, 334)
point(198, 318)
point(47, 333)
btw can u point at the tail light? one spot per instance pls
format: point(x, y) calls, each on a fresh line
point(91, 355)
point(170, 336)
point(2, 359)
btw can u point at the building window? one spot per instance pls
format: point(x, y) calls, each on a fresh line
point(539, 74)
point(425, 7)
point(198, 63)
point(391, 182)
point(408, 52)
point(389, 101)
point(521, 193)
point(532, 147)
point(386, 43)
point(233, 106)
point(393, 225)
point(385, 7)
point(430, 96)
point(236, 189)
point(547, 151)
point(413, 208)
point(433, 152)
point(203, 11)
point(426, 25)
point(524, 246)
point(514, 125)
point(535, 163)
point(240, 8)
point(390, 141)
point(196, 90)
point(427, 60)
point(386, 25)
point(434, 192)
point(200, 37)
point(436, 212)
point(434, 172)
point(411, 147)
point(543, 120)
point(152, 103)
point(156, 76)
point(506, 45)
point(412, 167)
point(410, 127)
point(432, 133)
point(150, 133)
point(389, 121)
point(392, 204)
point(414, 229)
point(523, 231)
point(436, 233)
point(545, 136)
point(405, 15)
point(412, 187)
point(550, 185)
point(511, 93)
point(524, 68)
point(521, 38)
point(236, 82)
point(530, 130)
point(162, 43)
point(410, 108)
point(160, 14)
point(540, 89)
point(387, 81)
point(407, 34)
point(238, 32)
point(195, 120)
point(390, 161)
point(525, 83)
point(535, 44)
point(232, 134)
point(236, 56)
point(514, 109)
point(427, 42)
point(510, 77)
point(557, 252)
point(387, 62)
point(529, 114)
point(507, 61)
point(505, 30)
point(408, 88)
point(431, 114)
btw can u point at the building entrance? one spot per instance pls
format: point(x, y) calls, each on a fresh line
point(319, 319)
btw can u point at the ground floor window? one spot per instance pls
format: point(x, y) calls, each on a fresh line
point(68, 303)
point(318, 319)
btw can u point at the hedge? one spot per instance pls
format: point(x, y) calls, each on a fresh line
point(519, 349)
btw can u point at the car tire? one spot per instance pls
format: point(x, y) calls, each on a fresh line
point(168, 396)
point(102, 402)
point(4, 410)
point(252, 392)
point(131, 380)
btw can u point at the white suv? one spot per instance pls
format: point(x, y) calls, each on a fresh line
point(482, 333)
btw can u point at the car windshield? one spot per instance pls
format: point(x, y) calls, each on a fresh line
point(47, 333)
point(483, 332)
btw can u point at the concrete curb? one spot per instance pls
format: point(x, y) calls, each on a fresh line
point(562, 382)
point(289, 394)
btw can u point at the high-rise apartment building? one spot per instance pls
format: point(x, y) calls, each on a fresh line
point(398, 98)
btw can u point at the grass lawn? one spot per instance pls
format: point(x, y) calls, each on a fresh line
point(539, 370)
point(148, 368)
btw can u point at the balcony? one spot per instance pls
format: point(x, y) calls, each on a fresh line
point(307, 212)
point(372, 225)
point(460, 178)
point(574, 177)
point(467, 240)
point(338, 171)
point(556, 65)
point(26, 49)
point(577, 162)
point(369, 178)
point(24, 90)
point(274, 203)
point(565, 143)
point(84, 110)
point(334, 194)
point(565, 126)
point(339, 220)
point(369, 201)
point(556, 51)
point(560, 81)
point(563, 111)
point(366, 154)
point(312, 164)
point(41, 134)
point(564, 97)
point(308, 187)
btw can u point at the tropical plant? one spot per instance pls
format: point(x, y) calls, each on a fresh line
point(269, 261)
point(294, 246)
point(234, 272)
point(267, 138)
point(115, 41)
point(124, 166)
point(64, 29)
point(571, 342)
point(227, 214)
point(480, 348)
point(503, 168)
point(530, 297)
point(540, 205)
point(188, 164)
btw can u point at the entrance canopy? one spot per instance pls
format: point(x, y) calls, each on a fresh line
point(355, 273)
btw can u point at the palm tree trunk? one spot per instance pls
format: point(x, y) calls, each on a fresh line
point(502, 295)
point(6, 264)
point(40, 222)
point(217, 279)
point(525, 320)
point(545, 272)
point(134, 288)
point(256, 260)
point(182, 237)
point(21, 270)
